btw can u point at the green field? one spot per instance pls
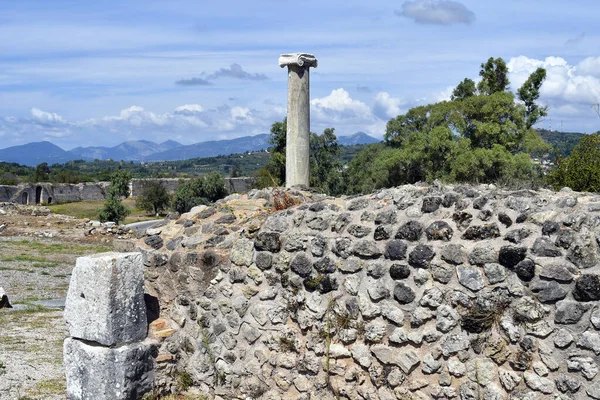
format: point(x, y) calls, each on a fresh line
point(90, 210)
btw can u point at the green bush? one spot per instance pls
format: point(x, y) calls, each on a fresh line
point(581, 170)
point(199, 191)
point(113, 209)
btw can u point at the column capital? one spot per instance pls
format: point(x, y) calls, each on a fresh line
point(299, 59)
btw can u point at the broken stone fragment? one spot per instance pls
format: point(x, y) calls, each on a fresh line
point(108, 373)
point(4, 303)
point(105, 302)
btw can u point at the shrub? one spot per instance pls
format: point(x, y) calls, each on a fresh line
point(199, 191)
point(581, 170)
point(113, 209)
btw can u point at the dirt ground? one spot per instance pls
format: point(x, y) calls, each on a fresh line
point(37, 254)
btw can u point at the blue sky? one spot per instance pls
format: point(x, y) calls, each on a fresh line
point(81, 73)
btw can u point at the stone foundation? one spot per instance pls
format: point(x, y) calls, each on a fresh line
point(415, 292)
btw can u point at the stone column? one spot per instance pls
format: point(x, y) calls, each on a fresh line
point(297, 164)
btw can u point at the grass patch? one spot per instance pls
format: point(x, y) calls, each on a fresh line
point(24, 258)
point(44, 265)
point(91, 209)
point(59, 248)
point(30, 271)
point(49, 386)
point(31, 309)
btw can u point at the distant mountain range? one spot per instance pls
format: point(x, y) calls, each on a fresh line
point(143, 150)
point(131, 150)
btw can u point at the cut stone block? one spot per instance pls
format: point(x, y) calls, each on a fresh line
point(105, 301)
point(104, 373)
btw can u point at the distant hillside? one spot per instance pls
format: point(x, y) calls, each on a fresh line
point(213, 148)
point(563, 142)
point(131, 150)
point(35, 153)
point(357, 138)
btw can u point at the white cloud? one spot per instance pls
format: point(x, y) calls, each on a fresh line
point(437, 12)
point(386, 106)
point(340, 107)
point(188, 109)
point(564, 82)
point(191, 121)
point(569, 90)
point(46, 118)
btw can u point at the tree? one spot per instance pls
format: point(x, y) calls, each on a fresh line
point(236, 171)
point(482, 135)
point(119, 180)
point(199, 191)
point(153, 198)
point(464, 89)
point(325, 167)
point(274, 171)
point(581, 170)
point(42, 172)
point(113, 209)
point(8, 178)
point(494, 76)
point(529, 93)
point(188, 195)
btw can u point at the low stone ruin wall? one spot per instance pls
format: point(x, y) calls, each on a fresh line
point(53, 192)
point(415, 292)
point(63, 192)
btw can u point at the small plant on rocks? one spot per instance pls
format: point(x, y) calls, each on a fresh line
point(283, 201)
point(287, 345)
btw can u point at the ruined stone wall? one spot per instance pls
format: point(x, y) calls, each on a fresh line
point(53, 192)
point(7, 192)
point(80, 191)
point(233, 185)
point(415, 292)
point(64, 192)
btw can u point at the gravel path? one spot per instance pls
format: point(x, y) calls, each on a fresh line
point(32, 270)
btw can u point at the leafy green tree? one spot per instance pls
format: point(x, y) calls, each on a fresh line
point(236, 171)
point(274, 172)
point(581, 170)
point(464, 89)
point(41, 173)
point(8, 178)
point(64, 176)
point(482, 135)
point(325, 167)
point(113, 210)
point(199, 191)
point(494, 76)
point(529, 93)
point(399, 128)
point(119, 180)
point(188, 195)
point(491, 119)
point(154, 197)
point(214, 187)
